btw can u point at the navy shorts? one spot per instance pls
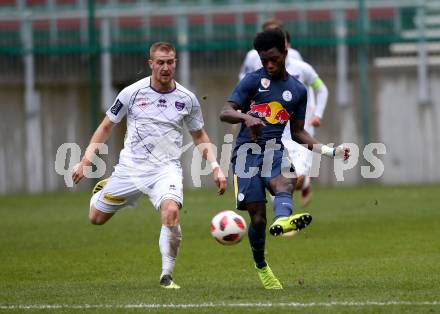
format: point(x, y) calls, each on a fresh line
point(252, 179)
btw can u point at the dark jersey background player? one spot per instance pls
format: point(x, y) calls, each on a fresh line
point(263, 102)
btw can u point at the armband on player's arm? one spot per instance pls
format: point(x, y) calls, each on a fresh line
point(321, 93)
point(317, 83)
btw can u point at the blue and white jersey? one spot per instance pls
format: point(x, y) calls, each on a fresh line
point(272, 100)
point(155, 122)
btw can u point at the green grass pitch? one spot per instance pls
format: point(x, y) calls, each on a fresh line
point(369, 249)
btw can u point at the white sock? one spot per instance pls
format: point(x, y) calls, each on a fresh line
point(306, 183)
point(169, 243)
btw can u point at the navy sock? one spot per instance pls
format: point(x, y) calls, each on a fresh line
point(282, 205)
point(257, 239)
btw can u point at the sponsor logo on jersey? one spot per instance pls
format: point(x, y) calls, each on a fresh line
point(172, 187)
point(273, 112)
point(287, 95)
point(265, 82)
point(162, 103)
point(179, 105)
point(143, 103)
point(116, 107)
point(117, 200)
point(262, 90)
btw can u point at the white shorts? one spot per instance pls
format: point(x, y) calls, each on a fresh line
point(123, 190)
point(300, 156)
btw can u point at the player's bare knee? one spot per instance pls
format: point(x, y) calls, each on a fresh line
point(96, 217)
point(171, 217)
point(281, 184)
point(170, 213)
point(96, 220)
point(299, 182)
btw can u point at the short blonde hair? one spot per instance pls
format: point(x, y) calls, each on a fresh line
point(164, 46)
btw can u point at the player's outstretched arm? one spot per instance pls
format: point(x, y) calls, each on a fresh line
point(321, 94)
point(231, 114)
point(301, 136)
point(203, 143)
point(100, 136)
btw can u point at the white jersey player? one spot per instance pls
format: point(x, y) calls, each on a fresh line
point(157, 108)
point(154, 124)
point(316, 103)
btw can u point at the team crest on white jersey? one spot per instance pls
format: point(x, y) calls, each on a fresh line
point(287, 95)
point(265, 82)
point(179, 105)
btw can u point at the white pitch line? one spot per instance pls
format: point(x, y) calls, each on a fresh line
point(210, 305)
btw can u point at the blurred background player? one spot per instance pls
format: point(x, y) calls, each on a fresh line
point(157, 108)
point(263, 102)
point(316, 103)
point(252, 60)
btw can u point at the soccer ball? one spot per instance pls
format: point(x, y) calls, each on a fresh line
point(228, 227)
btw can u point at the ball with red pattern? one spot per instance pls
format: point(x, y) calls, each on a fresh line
point(228, 227)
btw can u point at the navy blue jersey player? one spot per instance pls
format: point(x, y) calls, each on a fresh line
point(263, 102)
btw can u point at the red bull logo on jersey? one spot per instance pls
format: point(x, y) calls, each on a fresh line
point(273, 112)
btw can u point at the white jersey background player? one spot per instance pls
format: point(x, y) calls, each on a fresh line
point(316, 103)
point(157, 108)
point(252, 61)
